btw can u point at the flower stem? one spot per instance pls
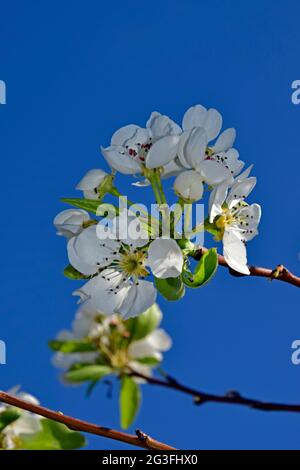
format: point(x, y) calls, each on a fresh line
point(156, 191)
point(160, 188)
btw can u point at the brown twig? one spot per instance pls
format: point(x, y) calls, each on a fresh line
point(140, 440)
point(230, 398)
point(280, 273)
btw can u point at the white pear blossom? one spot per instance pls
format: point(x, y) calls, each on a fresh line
point(133, 148)
point(83, 326)
point(236, 220)
point(119, 267)
point(70, 222)
point(215, 163)
point(90, 182)
point(89, 324)
point(27, 423)
point(189, 186)
point(152, 346)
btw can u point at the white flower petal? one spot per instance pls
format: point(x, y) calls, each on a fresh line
point(153, 116)
point(139, 297)
point(119, 161)
point(70, 222)
point(81, 325)
point(142, 183)
point(194, 117)
point(240, 190)
point(130, 230)
point(86, 251)
point(181, 149)
point(214, 173)
point(195, 147)
point(252, 214)
point(141, 369)
point(165, 258)
point(28, 423)
point(141, 136)
point(162, 151)
point(97, 295)
point(28, 397)
point(225, 141)
point(123, 134)
point(212, 123)
point(160, 340)
point(91, 180)
point(162, 126)
point(91, 194)
point(234, 251)
point(151, 346)
point(232, 162)
point(245, 174)
point(216, 200)
point(189, 185)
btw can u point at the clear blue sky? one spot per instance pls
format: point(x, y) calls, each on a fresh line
point(76, 71)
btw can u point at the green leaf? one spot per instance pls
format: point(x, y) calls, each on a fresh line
point(144, 324)
point(53, 436)
point(72, 346)
point(149, 361)
point(93, 205)
point(171, 288)
point(72, 273)
point(88, 373)
point(90, 205)
point(204, 271)
point(130, 398)
point(8, 416)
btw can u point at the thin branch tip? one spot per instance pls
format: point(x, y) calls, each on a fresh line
point(280, 273)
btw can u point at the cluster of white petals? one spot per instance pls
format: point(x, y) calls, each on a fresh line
point(119, 267)
point(90, 325)
point(202, 157)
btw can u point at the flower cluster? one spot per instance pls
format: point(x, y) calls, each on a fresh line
point(109, 344)
point(100, 346)
point(125, 268)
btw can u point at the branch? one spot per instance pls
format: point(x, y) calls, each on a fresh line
point(140, 440)
point(281, 273)
point(230, 398)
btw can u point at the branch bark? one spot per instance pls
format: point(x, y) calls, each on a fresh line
point(230, 398)
point(140, 440)
point(280, 273)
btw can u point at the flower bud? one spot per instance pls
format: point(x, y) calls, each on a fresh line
point(70, 222)
point(90, 182)
point(189, 186)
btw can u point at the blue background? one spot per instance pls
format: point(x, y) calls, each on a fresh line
point(75, 72)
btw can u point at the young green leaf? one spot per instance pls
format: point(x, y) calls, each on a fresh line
point(144, 324)
point(72, 273)
point(90, 205)
point(171, 288)
point(53, 436)
point(130, 398)
point(8, 416)
point(88, 373)
point(204, 271)
point(149, 361)
point(72, 346)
